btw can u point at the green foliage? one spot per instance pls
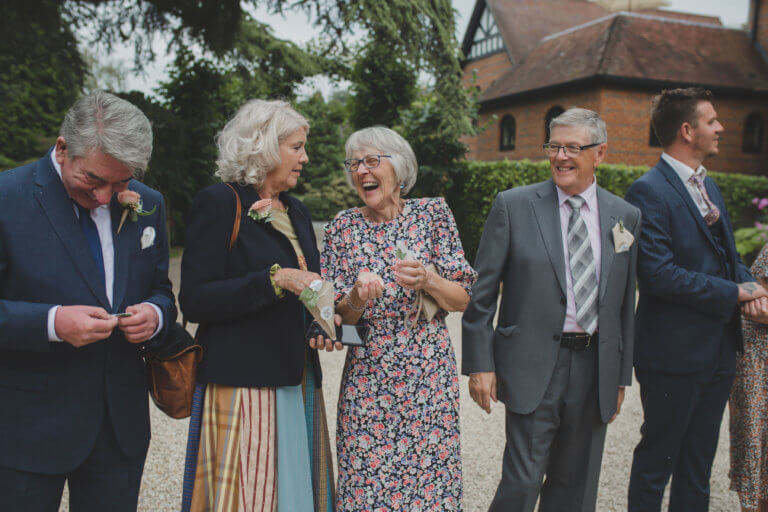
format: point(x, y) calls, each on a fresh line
point(383, 84)
point(41, 76)
point(478, 183)
point(329, 198)
point(749, 241)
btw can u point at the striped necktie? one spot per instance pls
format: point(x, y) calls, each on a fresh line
point(583, 275)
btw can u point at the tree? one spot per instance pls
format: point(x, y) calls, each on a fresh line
point(42, 74)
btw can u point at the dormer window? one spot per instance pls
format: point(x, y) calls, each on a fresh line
point(487, 38)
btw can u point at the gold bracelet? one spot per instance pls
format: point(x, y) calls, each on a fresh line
point(356, 309)
point(272, 271)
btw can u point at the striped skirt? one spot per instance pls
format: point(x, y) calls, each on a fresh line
point(245, 444)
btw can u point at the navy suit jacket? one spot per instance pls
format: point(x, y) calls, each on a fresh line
point(54, 397)
point(250, 337)
point(688, 302)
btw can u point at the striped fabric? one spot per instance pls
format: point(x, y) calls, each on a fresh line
point(583, 271)
point(231, 463)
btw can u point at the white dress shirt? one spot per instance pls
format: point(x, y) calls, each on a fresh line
point(589, 213)
point(685, 173)
point(102, 217)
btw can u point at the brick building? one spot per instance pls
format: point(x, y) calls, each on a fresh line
point(530, 59)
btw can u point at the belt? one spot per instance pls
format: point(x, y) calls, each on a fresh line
point(578, 341)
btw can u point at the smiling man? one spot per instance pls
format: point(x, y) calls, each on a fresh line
point(561, 352)
point(691, 281)
point(72, 382)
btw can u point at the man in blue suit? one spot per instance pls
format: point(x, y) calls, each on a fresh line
point(73, 390)
point(687, 330)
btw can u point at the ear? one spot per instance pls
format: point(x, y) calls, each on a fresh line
point(61, 150)
point(687, 132)
point(602, 149)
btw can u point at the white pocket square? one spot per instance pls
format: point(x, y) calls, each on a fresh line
point(622, 238)
point(147, 237)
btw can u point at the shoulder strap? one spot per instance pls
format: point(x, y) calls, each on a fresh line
point(236, 226)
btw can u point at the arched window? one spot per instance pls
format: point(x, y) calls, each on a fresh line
point(551, 114)
point(754, 130)
point(507, 133)
point(653, 140)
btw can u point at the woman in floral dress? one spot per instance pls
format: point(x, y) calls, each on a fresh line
point(749, 407)
point(398, 421)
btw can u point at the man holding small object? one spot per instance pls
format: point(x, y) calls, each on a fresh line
point(77, 297)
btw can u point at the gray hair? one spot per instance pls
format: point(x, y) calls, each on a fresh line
point(389, 142)
point(249, 144)
point(103, 122)
point(582, 117)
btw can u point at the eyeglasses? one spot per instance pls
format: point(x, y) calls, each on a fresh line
point(552, 150)
point(369, 161)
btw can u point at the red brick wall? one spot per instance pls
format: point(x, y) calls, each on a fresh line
point(488, 69)
point(627, 114)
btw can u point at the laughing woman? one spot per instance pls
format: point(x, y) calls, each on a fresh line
point(258, 439)
point(398, 421)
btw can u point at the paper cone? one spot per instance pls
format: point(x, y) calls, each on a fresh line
point(323, 311)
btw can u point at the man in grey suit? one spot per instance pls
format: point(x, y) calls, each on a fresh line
point(561, 352)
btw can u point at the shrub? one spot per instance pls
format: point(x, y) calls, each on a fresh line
point(475, 185)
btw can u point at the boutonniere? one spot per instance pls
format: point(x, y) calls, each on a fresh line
point(131, 203)
point(622, 238)
point(261, 210)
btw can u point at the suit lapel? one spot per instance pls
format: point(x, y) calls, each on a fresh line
point(678, 185)
point(607, 215)
point(547, 212)
point(59, 210)
point(122, 248)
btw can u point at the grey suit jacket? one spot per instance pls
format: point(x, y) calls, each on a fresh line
point(522, 248)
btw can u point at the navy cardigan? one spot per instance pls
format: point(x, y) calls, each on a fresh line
point(250, 337)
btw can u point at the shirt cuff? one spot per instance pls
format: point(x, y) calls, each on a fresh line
point(159, 319)
point(52, 324)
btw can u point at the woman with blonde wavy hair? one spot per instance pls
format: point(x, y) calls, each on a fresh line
point(258, 438)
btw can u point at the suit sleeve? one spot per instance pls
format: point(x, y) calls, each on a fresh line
point(628, 309)
point(656, 266)
point(207, 293)
point(477, 324)
point(162, 290)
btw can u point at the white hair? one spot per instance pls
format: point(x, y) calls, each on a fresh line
point(389, 142)
point(249, 144)
point(582, 117)
point(103, 122)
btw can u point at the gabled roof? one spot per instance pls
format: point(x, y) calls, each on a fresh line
point(639, 49)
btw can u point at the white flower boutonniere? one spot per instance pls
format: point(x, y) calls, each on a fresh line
point(131, 203)
point(261, 210)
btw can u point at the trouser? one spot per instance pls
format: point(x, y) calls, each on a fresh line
point(106, 480)
point(562, 439)
point(682, 416)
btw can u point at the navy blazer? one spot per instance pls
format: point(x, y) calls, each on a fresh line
point(250, 337)
point(687, 304)
point(54, 397)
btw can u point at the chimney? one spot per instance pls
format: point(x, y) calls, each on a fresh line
point(758, 26)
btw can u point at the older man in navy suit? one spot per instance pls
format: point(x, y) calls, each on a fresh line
point(73, 387)
point(687, 330)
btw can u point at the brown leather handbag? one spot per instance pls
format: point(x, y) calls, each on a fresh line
point(172, 367)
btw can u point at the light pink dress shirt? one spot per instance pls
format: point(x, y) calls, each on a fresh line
point(591, 218)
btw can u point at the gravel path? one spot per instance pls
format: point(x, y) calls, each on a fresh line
point(482, 438)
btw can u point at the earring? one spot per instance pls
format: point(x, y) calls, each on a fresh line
point(402, 186)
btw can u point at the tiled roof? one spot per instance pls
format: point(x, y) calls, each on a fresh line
point(638, 48)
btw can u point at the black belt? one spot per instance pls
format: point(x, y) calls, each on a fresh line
point(578, 341)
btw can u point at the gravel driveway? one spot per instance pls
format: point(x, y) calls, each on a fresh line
point(482, 438)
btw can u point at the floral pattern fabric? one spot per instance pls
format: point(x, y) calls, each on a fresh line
point(397, 434)
point(749, 409)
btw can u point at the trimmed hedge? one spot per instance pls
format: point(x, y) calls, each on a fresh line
point(474, 186)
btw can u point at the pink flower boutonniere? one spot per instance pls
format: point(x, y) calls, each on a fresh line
point(261, 210)
point(131, 203)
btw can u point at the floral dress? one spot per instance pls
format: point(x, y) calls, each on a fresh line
point(749, 409)
point(397, 435)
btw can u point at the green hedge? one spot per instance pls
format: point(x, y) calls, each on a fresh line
point(474, 186)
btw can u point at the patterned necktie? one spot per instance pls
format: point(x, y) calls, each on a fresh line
point(582, 263)
point(92, 236)
point(714, 212)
